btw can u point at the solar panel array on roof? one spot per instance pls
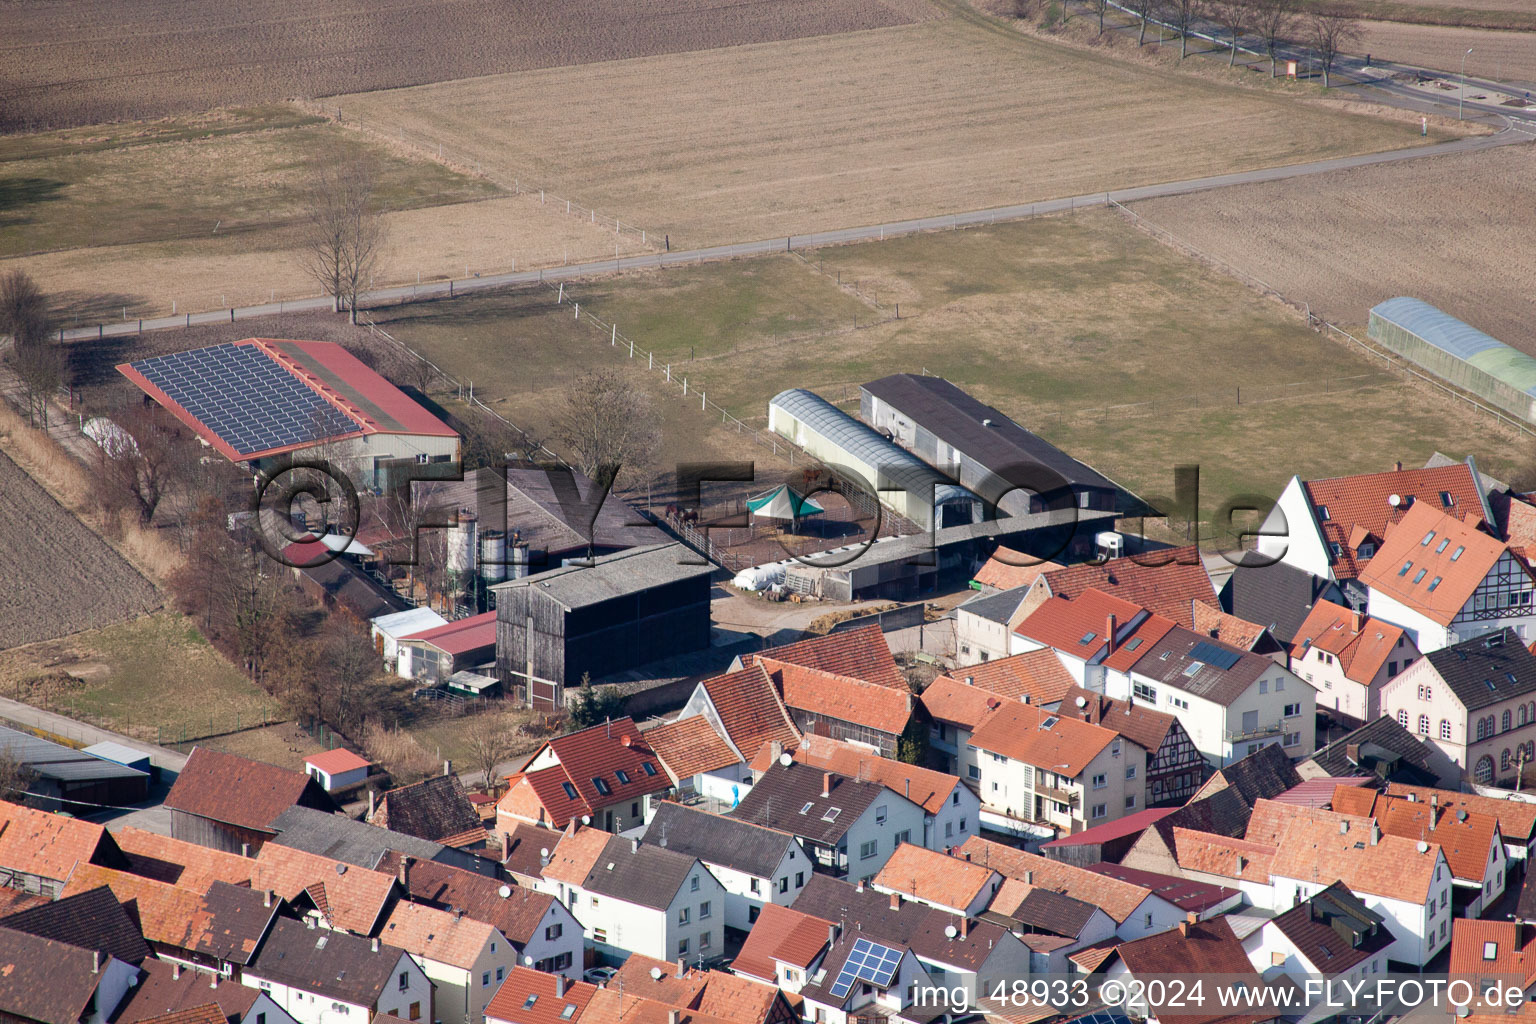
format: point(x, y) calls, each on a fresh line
point(1214, 656)
point(869, 962)
point(245, 397)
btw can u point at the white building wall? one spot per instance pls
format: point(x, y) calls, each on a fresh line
point(902, 818)
point(746, 893)
point(618, 927)
point(558, 932)
point(978, 639)
point(1290, 533)
point(1154, 915)
point(957, 820)
point(308, 1007)
point(1422, 930)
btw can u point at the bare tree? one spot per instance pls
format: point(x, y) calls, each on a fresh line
point(607, 423)
point(1181, 16)
point(350, 664)
point(16, 778)
point(1234, 17)
point(1274, 21)
point(1329, 35)
point(1144, 10)
point(342, 230)
point(141, 460)
point(1100, 8)
point(34, 353)
point(489, 743)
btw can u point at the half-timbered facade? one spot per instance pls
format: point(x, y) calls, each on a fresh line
point(1175, 767)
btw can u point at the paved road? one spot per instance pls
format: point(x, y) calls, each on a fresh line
point(72, 729)
point(1021, 211)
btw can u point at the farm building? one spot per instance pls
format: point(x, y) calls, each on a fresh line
point(339, 582)
point(64, 775)
point(903, 483)
point(228, 803)
point(387, 630)
point(1009, 467)
point(1458, 353)
point(613, 613)
point(337, 769)
point(262, 402)
point(437, 653)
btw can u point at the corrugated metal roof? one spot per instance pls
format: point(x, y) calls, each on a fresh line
point(1460, 339)
point(54, 761)
point(899, 469)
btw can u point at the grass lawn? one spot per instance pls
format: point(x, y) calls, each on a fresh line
point(154, 678)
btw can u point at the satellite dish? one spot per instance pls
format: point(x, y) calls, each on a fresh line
point(655, 973)
point(586, 819)
point(527, 961)
point(786, 760)
point(504, 892)
point(1082, 702)
point(1394, 500)
point(1423, 846)
point(951, 931)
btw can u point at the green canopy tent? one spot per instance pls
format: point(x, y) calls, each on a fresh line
point(783, 503)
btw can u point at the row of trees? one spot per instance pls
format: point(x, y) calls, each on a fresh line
point(32, 347)
point(1271, 23)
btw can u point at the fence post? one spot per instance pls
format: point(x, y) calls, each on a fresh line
point(613, 335)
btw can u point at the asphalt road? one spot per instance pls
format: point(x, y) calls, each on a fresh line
point(1021, 211)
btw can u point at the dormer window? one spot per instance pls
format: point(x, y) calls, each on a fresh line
point(1446, 500)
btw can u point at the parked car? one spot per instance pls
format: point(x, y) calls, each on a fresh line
point(599, 976)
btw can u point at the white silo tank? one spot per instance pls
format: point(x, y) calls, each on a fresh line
point(493, 556)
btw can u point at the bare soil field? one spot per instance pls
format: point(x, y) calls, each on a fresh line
point(100, 60)
point(1494, 14)
point(60, 578)
point(1505, 56)
point(789, 137)
point(1455, 231)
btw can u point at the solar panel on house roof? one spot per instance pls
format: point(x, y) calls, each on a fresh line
point(1213, 655)
point(245, 397)
point(869, 962)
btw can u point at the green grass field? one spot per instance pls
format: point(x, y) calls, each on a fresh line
point(1119, 350)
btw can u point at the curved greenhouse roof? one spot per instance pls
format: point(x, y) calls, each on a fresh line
point(898, 467)
point(1460, 339)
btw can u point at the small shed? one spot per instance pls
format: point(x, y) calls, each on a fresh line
point(472, 684)
point(433, 655)
point(388, 630)
point(128, 757)
point(337, 769)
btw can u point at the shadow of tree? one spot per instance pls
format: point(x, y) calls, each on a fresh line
point(80, 308)
point(18, 193)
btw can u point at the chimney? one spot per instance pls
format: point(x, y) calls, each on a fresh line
point(1375, 832)
point(634, 844)
point(674, 1016)
point(909, 789)
point(1192, 918)
point(965, 926)
point(213, 981)
point(375, 945)
point(1029, 878)
point(1433, 814)
point(1344, 827)
point(970, 680)
point(560, 984)
point(826, 784)
point(682, 967)
point(370, 804)
point(447, 767)
point(1397, 467)
point(405, 874)
point(1352, 751)
point(776, 750)
point(1109, 633)
point(1184, 929)
point(95, 961)
point(895, 901)
point(859, 887)
point(245, 849)
point(608, 727)
point(175, 971)
point(266, 898)
point(1434, 803)
point(1355, 621)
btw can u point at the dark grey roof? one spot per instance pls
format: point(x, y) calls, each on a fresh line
point(1201, 665)
point(715, 839)
point(331, 964)
point(1262, 775)
point(93, 919)
point(918, 927)
point(1383, 748)
point(45, 979)
point(433, 809)
point(997, 607)
point(620, 574)
point(1278, 597)
point(642, 873)
point(779, 797)
point(238, 918)
point(1487, 669)
point(1017, 457)
point(55, 761)
point(1334, 930)
point(1053, 912)
point(355, 842)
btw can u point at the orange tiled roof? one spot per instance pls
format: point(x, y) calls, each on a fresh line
point(575, 855)
point(785, 935)
point(438, 935)
point(47, 845)
point(208, 1013)
point(1432, 562)
point(932, 877)
point(508, 1002)
point(1116, 898)
point(1212, 621)
point(165, 914)
point(1054, 742)
point(1356, 800)
point(1361, 653)
point(1482, 948)
point(750, 710)
point(690, 746)
point(336, 761)
point(1465, 841)
point(1007, 569)
point(182, 863)
point(1213, 854)
point(1517, 818)
point(1091, 958)
point(1270, 818)
point(1166, 585)
point(609, 1006)
point(920, 785)
point(949, 700)
point(856, 653)
point(1362, 501)
point(712, 993)
point(1141, 725)
point(1038, 675)
point(846, 698)
point(1315, 850)
point(350, 897)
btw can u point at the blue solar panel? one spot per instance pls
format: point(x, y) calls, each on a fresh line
point(1213, 655)
point(251, 402)
point(869, 962)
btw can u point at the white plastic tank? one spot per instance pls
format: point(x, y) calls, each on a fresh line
point(493, 556)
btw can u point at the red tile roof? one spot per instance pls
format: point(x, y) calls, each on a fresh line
point(1358, 505)
point(349, 896)
point(1116, 898)
point(750, 710)
point(1141, 725)
point(1007, 569)
point(1130, 825)
point(1224, 626)
point(1483, 948)
point(932, 789)
point(1091, 958)
point(522, 982)
point(1432, 562)
point(1212, 854)
point(179, 862)
point(600, 752)
point(1361, 651)
point(784, 935)
point(1164, 582)
point(1314, 850)
point(35, 842)
point(337, 761)
point(1205, 948)
point(460, 636)
point(846, 698)
point(949, 700)
point(1517, 818)
point(1076, 626)
point(936, 878)
point(1466, 841)
point(1320, 792)
point(1038, 675)
point(237, 790)
point(690, 746)
point(857, 653)
point(1042, 738)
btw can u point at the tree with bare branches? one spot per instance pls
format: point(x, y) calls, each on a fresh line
point(140, 459)
point(489, 743)
point(1233, 16)
point(1181, 16)
point(1144, 11)
point(1100, 8)
point(16, 778)
point(1274, 21)
point(606, 423)
point(1330, 34)
point(342, 230)
point(34, 353)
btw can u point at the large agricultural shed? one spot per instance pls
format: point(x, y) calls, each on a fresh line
point(594, 618)
point(68, 778)
point(903, 483)
point(1459, 353)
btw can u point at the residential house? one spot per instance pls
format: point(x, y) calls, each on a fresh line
point(1007, 569)
point(1210, 620)
point(954, 950)
point(1166, 582)
point(784, 948)
point(228, 802)
point(1493, 954)
point(1107, 842)
point(90, 919)
point(1096, 636)
point(743, 709)
point(1278, 597)
point(525, 851)
point(853, 654)
point(698, 760)
point(538, 926)
point(39, 851)
point(533, 997)
point(58, 983)
point(1385, 751)
point(1053, 925)
point(1175, 767)
point(1348, 657)
point(952, 810)
point(638, 897)
point(1188, 950)
point(1445, 581)
point(845, 707)
point(1045, 772)
point(709, 993)
point(363, 845)
point(981, 626)
point(434, 809)
point(338, 768)
point(167, 987)
point(1475, 701)
point(218, 930)
point(434, 655)
point(1335, 528)
point(956, 704)
point(1516, 818)
point(860, 978)
point(465, 959)
point(848, 826)
point(1202, 899)
point(339, 895)
point(1332, 937)
point(606, 775)
point(938, 880)
point(755, 865)
point(317, 975)
point(1135, 909)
